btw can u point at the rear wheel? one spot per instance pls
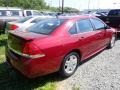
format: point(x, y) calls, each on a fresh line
point(112, 42)
point(69, 64)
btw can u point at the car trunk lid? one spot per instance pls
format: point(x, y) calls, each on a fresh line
point(18, 40)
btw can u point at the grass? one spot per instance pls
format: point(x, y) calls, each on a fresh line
point(10, 80)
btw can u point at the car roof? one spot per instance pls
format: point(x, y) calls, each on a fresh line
point(30, 10)
point(34, 16)
point(76, 17)
point(69, 17)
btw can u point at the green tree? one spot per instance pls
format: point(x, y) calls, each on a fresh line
point(26, 4)
point(34, 4)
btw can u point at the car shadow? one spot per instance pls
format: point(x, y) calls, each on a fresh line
point(3, 42)
point(10, 80)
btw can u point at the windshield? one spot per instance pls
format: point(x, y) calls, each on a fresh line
point(23, 20)
point(46, 26)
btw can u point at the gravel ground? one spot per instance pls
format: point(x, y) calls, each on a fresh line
point(102, 72)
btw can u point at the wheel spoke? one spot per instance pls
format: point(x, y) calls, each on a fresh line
point(67, 63)
point(68, 69)
point(71, 57)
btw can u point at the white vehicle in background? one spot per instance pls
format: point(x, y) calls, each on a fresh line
point(32, 13)
point(9, 14)
point(24, 23)
point(35, 13)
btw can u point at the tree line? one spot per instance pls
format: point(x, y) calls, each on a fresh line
point(32, 4)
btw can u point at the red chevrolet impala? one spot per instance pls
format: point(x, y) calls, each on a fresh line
point(57, 44)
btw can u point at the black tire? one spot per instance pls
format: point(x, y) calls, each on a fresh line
point(112, 42)
point(62, 70)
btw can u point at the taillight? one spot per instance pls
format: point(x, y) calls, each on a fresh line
point(32, 51)
point(13, 27)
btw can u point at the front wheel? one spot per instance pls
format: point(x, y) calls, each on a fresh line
point(112, 42)
point(69, 64)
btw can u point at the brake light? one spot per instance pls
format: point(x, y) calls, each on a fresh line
point(32, 51)
point(13, 27)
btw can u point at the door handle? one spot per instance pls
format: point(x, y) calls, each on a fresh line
point(82, 37)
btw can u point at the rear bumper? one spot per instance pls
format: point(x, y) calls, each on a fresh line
point(32, 68)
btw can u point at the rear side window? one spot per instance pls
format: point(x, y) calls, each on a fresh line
point(98, 24)
point(35, 13)
point(73, 29)
point(36, 20)
point(15, 13)
point(85, 26)
point(23, 20)
point(10, 12)
point(46, 26)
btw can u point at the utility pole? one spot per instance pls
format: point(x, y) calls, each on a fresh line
point(114, 4)
point(50, 2)
point(88, 5)
point(59, 4)
point(98, 5)
point(62, 6)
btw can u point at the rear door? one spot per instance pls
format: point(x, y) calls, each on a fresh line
point(87, 38)
point(100, 31)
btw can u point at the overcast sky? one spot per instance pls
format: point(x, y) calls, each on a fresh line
point(83, 4)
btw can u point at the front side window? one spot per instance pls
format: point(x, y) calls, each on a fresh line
point(98, 24)
point(85, 26)
point(28, 13)
point(46, 26)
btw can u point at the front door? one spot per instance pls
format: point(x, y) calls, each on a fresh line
point(87, 38)
point(100, 32)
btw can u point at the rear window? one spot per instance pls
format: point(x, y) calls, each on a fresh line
point(46, 26)
point(23, 20)
point(9, 12)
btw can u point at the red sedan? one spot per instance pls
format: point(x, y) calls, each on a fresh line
point(57, 45)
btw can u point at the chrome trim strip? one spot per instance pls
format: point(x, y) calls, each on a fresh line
point(26, 55)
